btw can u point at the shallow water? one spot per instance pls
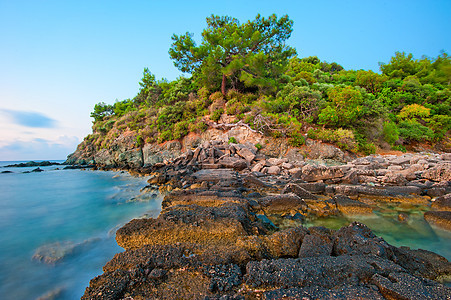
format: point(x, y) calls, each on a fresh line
point(70, 208)
point(415, 233)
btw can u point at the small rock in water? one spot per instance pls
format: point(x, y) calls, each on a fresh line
point(402, 217)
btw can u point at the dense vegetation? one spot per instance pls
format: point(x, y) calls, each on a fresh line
point(247, 72)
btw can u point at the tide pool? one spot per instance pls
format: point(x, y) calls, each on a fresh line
point(71, 216)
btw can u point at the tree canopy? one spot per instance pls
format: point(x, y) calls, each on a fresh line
point(231, 54)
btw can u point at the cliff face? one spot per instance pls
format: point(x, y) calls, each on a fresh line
point(125, 153)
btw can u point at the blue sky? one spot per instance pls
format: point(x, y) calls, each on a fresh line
point(59, 58)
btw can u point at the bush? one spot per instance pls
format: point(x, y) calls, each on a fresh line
point(139, 140)
point(296, 139)
point(390, 132)
point(180, 129)
point(399, 148)
point(216, 115)
point(343, 138)
point(165, 136)
point(414, 131)
point(258, 146)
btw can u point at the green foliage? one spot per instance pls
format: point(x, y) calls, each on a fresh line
point(180, 129)
point(344, 138)
point(165, 136)
point(399, 148)
point(296, 139)
point(413, 131)
point(252, 54)
point(258, 146)
point(169, 115)
point(343, 108)
point(101, 110)
point(232, 140)
point(139, 140)
point(216, 115)
point(414, 111)
point(390, 132)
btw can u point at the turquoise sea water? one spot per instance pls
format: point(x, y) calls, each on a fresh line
point(71, 211)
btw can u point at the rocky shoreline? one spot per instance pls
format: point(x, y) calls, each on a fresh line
point(231, 228)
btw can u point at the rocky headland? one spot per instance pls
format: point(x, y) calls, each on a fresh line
point(231, 225)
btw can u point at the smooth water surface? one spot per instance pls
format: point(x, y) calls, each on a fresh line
point(415, 232)
point(69, 211)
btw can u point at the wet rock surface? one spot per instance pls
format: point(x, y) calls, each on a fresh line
point(231, 228)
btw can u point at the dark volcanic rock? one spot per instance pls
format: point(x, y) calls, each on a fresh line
point(318, 243)
point(326, 271)
point(357, 238)
point(316, 292)
point(400, 285)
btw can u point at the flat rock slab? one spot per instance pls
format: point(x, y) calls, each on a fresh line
point(214, 175)
point(347, 206)
point(201, 197)
point(189, 224)
point(312, 173)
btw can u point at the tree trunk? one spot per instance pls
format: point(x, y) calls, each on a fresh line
point(223, 84)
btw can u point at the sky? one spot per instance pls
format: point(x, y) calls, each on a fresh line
point(59, 58)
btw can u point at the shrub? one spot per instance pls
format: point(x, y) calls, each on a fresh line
point(165, 136)
point(258, 146)
point(413, 111)
point(232, 140)
point(296, 139)
point(414, 131)
point(390, 132)
point(139, 140)
point(180, 129)
point(399, 148)
point(216, 115)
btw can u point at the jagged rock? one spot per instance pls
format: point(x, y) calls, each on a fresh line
point(311, 173)
point(348, 206)
point(442, 203)
point(296, 189)
point(357, 239)
point(401, 285)
point(438, 173)
point(394, 178)
point(286, 243)
point(317, 243)
point(276, 161)
point(325, 271)
point(257, 167)
point(422, 263)
point(315, 292)
point(246, 154)
point(440, 219)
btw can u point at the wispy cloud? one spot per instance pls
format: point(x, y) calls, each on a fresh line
point(39, 148)
point(29, 118)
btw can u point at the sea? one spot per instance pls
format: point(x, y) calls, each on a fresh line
point(57, 227)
